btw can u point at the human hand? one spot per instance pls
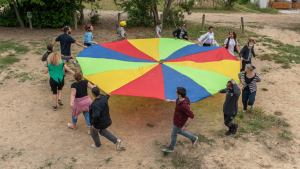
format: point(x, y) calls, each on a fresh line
point(242, 59)
point(242, 83)
point(168, 100)
point(219, 91)
point(197, 43)
point(95, 42)
point(72, 107)
point(175, 38)
point(84, 46)
point(233, 81)
point(185, 36)
point(94, 37)
point(255, 58)
point(184, 128)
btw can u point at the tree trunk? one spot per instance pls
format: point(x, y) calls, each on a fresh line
point(154, 11)
point(166, 11)
point(17, 14)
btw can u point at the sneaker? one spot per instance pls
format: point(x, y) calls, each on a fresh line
point(235, 129)
point(244, 111)
point(194, 141)
point(95, 147)
point(118, 143)
point(75, 63)
point(169, 150)
point(60, 102)
point(54, 108)
point(228, 132)
point(252, 107)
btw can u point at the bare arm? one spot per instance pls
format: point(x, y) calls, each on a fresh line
point(224, 45)
point(73, 94)
point(91, 86)
point(79, 44)
point(237, 48)
point(53, 43)
point(157, 33)
point(68, 69)
point(46, 70)
point(168, 100)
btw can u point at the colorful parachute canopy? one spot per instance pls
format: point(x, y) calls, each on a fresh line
point(156, 67)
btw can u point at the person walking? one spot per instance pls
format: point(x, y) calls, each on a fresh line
point(158, 30)
point(56, 67)
point(181, 33)
point(208, 39)
point(230, 107)
point(80, 100)
point(122, 35)
point(50, 49)
point(246, 54)
point(100, 119)
point(182, 118)
point(249, 79)
point(231, 43)
point(65, 43)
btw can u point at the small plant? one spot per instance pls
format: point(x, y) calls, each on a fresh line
point(286, 65)
point(73, 159)
point(264, 89)
point(286, 135)
point(165, 154)
point(150, 125)
point(265, 69)
point(108, 160)
point(202, 138)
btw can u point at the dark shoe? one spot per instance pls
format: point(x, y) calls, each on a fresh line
point(60, 102)
point(194, 141)
point(169, 150)
point(54, 108)
point(228, 132)
point(235, 129)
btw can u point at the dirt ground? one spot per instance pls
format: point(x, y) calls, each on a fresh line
point(32, 135)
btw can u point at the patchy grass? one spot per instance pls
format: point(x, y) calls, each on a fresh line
point(266, 57)
point(182, 161)
point(202, 138)
point(150, 125)
point(286, 135)
point(265, 69)
point(73, 159)
point(264, 89)
point(108, 160)
point(7, 60)
point(256, 120)
point(14, 46)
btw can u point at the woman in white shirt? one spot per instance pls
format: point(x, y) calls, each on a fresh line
point(231, 43)
point(208, 39)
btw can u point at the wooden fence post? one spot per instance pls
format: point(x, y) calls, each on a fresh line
point(203, 19)
point(243, 30)
point(119, 19)
point(75, 21)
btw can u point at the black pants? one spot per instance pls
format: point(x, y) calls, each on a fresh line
point(56, 85)
point(206, 44)
point(244, 64)
point(228, 120)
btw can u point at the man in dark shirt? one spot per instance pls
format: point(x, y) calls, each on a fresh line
point(230, 107)
point(182, 118)
point(100, 119)
point(65, 43)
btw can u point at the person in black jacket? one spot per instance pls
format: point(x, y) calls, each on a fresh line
point(181, 33)
point(246, 54)
point(100, 119)
point(50, 49)
point(230, 106)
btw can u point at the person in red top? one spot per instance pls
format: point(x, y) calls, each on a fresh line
point(182, 118)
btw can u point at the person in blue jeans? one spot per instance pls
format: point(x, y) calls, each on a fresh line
point(249, 79)
point(182, 118)
point(80, 100)
point(87, 38)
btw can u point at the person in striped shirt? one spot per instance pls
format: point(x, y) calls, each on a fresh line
point(249, 79)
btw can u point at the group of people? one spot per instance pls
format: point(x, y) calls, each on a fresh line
point(96, 113)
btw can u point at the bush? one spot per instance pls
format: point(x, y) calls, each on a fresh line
point(228, 4)
point(95, 19)
point(49, 14)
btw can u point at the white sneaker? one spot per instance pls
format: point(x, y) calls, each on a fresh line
point(93, 146)
point(252, 107)
point(244, 111)
point(118, 143)
point(169, 150)
point(194, 141)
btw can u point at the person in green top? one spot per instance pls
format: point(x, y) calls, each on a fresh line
point(56, 68)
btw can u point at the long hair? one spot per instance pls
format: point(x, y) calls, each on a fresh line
point(54, 59)
point(234, 34)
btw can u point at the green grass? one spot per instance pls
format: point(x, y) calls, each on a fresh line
point(266, 57)
point(202, 138)
point(256, 120)
point(73, 159)
point(265, 69)
point(182, 161)
point(108, 160)
point(264, 89)
point(286, 135)
point(150, 125)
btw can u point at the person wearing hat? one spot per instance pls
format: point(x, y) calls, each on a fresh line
point(208, 39)
point(100, 119)
point(122, 35)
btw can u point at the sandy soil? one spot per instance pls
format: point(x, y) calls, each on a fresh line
point(32, 135)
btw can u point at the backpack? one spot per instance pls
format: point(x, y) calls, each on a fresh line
point(235, 50)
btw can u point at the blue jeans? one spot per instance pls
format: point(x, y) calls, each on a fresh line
point(248, 98)
point(177, 130)
point(86, 116)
